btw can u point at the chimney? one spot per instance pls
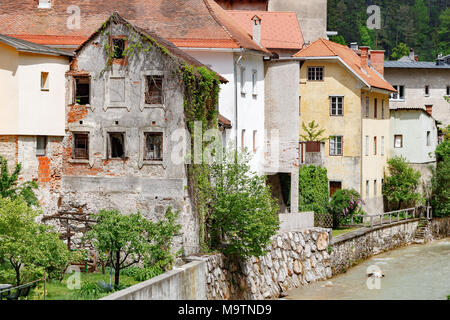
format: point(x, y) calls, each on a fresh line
point(364, 57)
point(412, 57)
point(429, 109)
point(257, 29)
point(377, 60)
point(354, 45)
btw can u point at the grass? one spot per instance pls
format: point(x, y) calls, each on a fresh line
point(59, 290)
point(342, 230)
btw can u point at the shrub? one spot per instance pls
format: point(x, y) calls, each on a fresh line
point(440, 185)
point(142, 274)
point(243, 213)
point(89, 291)
point(313, 189)
point(344, 204)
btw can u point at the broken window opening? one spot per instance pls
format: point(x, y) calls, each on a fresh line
point(118, 48)
point(81, 146)
point(154, 90)
point(117, 145)
point(41, 145)
point(82, 90)
point(153, 146)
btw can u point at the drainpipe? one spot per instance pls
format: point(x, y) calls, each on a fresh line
point(236, 96)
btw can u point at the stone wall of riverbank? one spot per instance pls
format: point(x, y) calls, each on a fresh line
point(440, 228)
point(350, 248)
point(294, 259)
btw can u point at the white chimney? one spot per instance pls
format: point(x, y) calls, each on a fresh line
point(257, 29)
point(45, 4)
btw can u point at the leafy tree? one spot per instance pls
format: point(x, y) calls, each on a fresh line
point(400, 186)
point(130, 239)
point(243, 213)
point(443, 32)
point(343, 205)
point(338, 39)
point(312, 132)
point(10, 187)
point(313, 189)
point(30, 248)
point(367, 37)
point(400, 51)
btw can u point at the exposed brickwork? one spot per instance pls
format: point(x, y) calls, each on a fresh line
point(44, 169)
point(76, 113)
point(8, 150)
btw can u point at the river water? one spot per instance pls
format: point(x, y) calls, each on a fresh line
point(414, 272)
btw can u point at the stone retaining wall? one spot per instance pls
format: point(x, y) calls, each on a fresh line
point(294, 259)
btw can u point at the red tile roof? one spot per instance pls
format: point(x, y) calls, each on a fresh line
point(192, 22)
point(326, 48)
point(279, 30)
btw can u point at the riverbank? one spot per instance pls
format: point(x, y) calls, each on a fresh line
point(418, 271)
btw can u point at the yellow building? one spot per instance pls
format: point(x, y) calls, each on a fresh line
point(348, 97)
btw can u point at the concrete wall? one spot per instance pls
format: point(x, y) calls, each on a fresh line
point(187, 282)
point(9, 90)
point(296, 221)
point(414, 81)
point(373, 164)
point(281, 140)
point(312, 16)
point(413, 125)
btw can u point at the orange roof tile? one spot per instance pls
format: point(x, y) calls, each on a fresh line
point(326, 48)
point(279, 30)
point(200, 20)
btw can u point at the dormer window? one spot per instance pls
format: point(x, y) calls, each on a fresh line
point(45, 4)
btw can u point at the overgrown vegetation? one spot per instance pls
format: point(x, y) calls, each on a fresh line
point(440, 181)
point(312, 132)
point(12, 189)
point(344, 204)
point(313, 189)
point(127, 240)
point(400, 185)
point(243, 213)
point(419, 24)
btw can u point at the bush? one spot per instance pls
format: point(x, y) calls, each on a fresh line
point(142, 274)
point(244, 216)
point(344, 204)
point(313, 189)
point(89, 291)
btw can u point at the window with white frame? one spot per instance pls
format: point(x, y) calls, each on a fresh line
point(374, 188)
point(428, 138)
point(336, 105)
point(400, 94)
point(336, 144)
point(315, 73)
point(242, 80)
point(153, 146)
point(382, 109)
point(367, 189)
point(382, 145)
point(254, 82)
point(398, 141)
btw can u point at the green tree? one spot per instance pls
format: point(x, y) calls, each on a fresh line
point(312, 132)
point(130, 239)
point(313, 189)
point(338, 39)
point(400, 186)
point(367, 37)
point(29, 247)
point(443, 33)
point(243, 212)
point(10, 187)
point(440, 181)
point(400, 51)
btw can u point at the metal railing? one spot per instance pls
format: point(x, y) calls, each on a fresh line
point(394, 216)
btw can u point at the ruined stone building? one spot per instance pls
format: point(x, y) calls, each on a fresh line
point(123, 97)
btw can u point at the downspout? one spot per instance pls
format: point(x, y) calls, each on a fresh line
point(236, 64)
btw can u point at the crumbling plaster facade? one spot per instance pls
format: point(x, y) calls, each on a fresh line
point(129, 184)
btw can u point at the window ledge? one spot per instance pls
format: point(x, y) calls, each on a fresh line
point(152, 162)
point(71, 160)
point(156, 105)
point(397, 100)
